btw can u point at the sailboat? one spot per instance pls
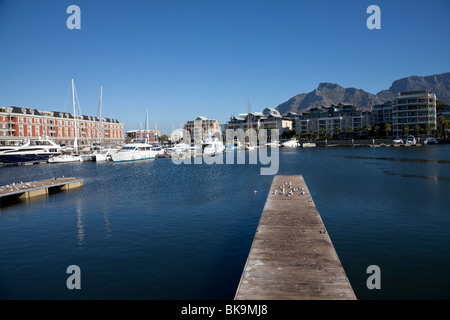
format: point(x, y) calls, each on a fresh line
point(69, 156)
point(250, 145)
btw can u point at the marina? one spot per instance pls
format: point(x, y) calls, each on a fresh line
point(292, 256)
point(167, 240)
point(256, 152)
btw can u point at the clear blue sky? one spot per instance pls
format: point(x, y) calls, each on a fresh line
point(185, 58)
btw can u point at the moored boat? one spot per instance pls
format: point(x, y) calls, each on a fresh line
point(134, 152)
point(430, 140)
point(290, 143)
point(410, 140)
point(36, 151)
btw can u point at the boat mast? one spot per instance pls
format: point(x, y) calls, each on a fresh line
point(101, 125)
point(75, 145)
point(249, 123)
point(146, 129)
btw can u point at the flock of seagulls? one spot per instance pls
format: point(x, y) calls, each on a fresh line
point(18, 186)
point(288, 190)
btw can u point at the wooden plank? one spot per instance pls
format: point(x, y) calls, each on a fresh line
point(292, 256)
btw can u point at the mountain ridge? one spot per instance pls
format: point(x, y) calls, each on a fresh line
point(332, 93)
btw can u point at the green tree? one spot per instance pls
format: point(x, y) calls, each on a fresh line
point(406, 129)
point(387, 128)
point(322, 132)
point(163, 138)
point(367, 128)
point(377, 130)
point(440, 104)
point(416, 129)
point(440, 127)
point(427, 128)
point(337, 130)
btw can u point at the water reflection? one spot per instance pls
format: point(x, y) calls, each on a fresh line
point(80, 226)
point(409, 175)
point(397, 159)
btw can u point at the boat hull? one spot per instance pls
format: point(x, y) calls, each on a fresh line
point(132, 156)
point(22, 158)
point(65, 159)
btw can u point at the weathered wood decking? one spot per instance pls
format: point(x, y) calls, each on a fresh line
point(292, 256)
point(27, 190)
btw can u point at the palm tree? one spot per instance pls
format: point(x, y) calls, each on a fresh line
point(367, 128)
point(387, 128)
point(427, 128)
point(376, 130)
point(406, 129)
point(416, 129)
point(322, 132)
point(337, 130)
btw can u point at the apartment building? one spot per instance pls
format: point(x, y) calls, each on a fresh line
point(411, 108)
point(17, 123)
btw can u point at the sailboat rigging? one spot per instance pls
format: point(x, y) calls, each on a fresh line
point(69, 156)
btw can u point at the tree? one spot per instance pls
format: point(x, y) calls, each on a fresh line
point(337, 130)
point(441, 122)
point(322, 131)
point(416, 129)
point(367, 128)
point(427, 128)
point(387, 128)
point(440, 104)
point(376, 130)
point(406, 129)
point(163, 138)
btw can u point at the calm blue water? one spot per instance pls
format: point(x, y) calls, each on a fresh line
point(155, 230)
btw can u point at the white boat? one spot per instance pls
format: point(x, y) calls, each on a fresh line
point(181, 148)
point(410, 140)
point(134, 152)
point(290, 143)
point(249, 147)
point(430, 140)
point(66, 158)
point(102, 156)
point(273, 144)
point(159, 151)
point(213, 146)
point(397, 141)
point(308, 144)
point(36, 151)
point(105, 154)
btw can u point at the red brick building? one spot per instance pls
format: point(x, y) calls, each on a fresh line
point(18, 123)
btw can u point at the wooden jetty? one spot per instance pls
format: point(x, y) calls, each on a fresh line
point(292, 256)
point(27, 190)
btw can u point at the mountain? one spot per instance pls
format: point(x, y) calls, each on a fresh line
point(332, 93)
point(438, 84)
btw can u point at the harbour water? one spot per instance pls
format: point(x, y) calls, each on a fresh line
point(156, 230)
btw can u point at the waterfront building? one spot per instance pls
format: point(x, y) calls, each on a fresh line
point(149, 136)
point(411, 108)
point(200, 128)
point(268, 119)
point(382, 114)
point(338, 118)
point(444, 112)
point(19, 124)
